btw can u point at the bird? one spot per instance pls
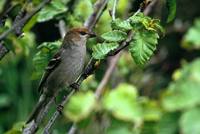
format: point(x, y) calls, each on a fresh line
point(64, 68)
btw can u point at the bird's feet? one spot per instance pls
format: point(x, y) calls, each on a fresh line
point(75, 86)
point(59, 108)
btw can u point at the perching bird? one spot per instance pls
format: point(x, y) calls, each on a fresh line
point(64, 68)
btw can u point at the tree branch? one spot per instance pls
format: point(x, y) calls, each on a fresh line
point(18, 24)
point(101, 87)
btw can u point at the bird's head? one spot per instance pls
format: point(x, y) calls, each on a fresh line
point(78, 35)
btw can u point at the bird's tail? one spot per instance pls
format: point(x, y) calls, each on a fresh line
point(39, 108)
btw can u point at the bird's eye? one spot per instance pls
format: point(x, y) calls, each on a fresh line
point(83, 33)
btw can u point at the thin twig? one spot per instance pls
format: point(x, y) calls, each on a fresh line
point(114, 9)
point(99, 6)
point(101, 87)
point(72, 130)
point(57, 113)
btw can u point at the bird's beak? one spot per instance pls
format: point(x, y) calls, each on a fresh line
point(92, 34)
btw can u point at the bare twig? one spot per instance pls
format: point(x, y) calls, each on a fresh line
point(99, 6)
point(72, 129)
point(114, 9)
point(101, 87)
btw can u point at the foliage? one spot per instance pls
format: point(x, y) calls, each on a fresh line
point(171, 6)
point(156, 97)
point(191, 39)
point(144, 40)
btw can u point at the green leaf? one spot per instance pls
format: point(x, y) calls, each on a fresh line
point(183, 93)
point(118, 24)
point(17, 128)
point(122, 103)
point(100, 50)
point(171, 6)
point(168, 123)
point(80, 106)
point(190, 121)
point(4, 100)
point(114, 36)
point(191, 39)
point(140, 21)
point(119, 127)
point(152, 111)
point(142, 46)
point(48, 12)
point(42, 57)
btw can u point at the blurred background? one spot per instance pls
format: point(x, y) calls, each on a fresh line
point(163, 96)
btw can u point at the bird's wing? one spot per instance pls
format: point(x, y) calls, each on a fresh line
point(53, 63)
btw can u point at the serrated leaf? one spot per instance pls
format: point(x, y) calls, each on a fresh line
point(100, 50)
point(142, 46)
point(114, 36)
point(80, 106)
point(171, 6)
point(118, 24)
point(49, 11)
point(122, 103)
point(190, 121)
point(140, 20)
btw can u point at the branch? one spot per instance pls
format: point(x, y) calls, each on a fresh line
point(114, 9)
point(99, 6)
point(20, 23)
point(112, 63)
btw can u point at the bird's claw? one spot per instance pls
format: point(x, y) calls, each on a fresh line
point(75, 86)
point(59, 108)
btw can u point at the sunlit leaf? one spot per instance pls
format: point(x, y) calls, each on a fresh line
point(17, 128)
point(48, 12)
point(143, 46)
point(184, 92)
point(100, 50)
point(122, 103)
point(80, 106)
point(191, 39)
point(121, 24)
point(114, 36)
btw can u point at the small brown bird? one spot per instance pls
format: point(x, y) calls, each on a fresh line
point(64, 68)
